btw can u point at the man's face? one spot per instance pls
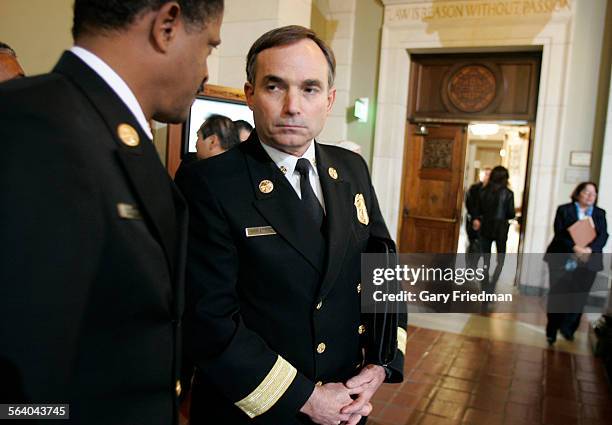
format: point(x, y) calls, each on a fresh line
point(208, 147)
point(9, 67)
point(291, 97)
point(187, 70)
point(202, 147)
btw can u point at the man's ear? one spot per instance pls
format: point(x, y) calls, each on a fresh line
point(249, 91)
point(212, 141)
point(331, 98)
point(165, 25)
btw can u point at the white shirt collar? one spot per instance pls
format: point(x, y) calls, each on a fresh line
point(116, 83)
point(287, 162)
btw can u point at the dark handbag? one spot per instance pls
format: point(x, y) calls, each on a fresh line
point(382, 324)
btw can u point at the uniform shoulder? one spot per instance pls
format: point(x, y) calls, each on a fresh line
point(39, 95)
point(25, 86)
point(222, 167)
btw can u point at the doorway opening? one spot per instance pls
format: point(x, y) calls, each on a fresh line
point(488, 145)
point(449, 94)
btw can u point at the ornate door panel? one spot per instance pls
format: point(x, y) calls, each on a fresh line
point(432, 189)
point(491, 86)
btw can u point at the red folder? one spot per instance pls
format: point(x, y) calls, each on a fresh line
point(583, 231)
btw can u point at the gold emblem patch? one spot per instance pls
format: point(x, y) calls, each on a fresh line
point(362, 211)
point(128, 135)
point(332, 173)
point(266, 186)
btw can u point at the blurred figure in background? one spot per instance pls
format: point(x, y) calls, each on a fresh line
point(244, 129)
point(471, 204)
point(573, 274)
point(9, 66)
point(494, 208)
point(217, 134)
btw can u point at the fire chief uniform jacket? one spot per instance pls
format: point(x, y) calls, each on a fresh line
point(273, 304)
point(91, 276)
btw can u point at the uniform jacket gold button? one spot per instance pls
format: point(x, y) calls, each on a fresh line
point(359, 288)
point(178, 388)
point(361, 329)
point(266, 186)
point(128, 135)
point(321, 348)
point(319, 305)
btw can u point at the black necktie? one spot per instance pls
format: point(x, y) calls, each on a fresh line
point(311, 204)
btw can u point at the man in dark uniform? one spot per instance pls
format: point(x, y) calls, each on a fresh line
point(94, 231)
point(277, 228)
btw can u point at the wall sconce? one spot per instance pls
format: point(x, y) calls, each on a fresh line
point(361, 109)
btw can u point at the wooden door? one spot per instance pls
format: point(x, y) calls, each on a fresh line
point(432, 188)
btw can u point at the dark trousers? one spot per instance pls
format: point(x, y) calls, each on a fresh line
point(485, 245)
point(567, 323)
point(569, 293)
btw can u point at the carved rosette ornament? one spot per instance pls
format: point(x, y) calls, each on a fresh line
point(472, 88)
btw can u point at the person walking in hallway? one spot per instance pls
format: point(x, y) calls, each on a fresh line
point(472, 197)
point(573, 267)
point(494, 208)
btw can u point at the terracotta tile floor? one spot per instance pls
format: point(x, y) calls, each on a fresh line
point(458, 379)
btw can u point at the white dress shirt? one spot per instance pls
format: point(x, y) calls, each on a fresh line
point(116, 83)
point(286, 163)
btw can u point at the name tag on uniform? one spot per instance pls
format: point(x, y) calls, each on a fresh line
point(128, 211)
point(259, 231)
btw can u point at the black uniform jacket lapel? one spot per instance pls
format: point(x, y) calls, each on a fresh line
point(148, 178)
point(281, 207)
point(338, 203)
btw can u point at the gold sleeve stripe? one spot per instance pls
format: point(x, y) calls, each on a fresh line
point(270, 390)
point(401, 340)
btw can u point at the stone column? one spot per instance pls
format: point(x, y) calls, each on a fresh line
point(338, 29)
point(244, 21)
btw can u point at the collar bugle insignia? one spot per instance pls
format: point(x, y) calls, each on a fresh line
point(332, 173)
point(128, 135)
point(362, 211)
point(266, 186)
point(283, 169)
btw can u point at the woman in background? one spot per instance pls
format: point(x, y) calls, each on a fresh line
point(573, 274)
point(495, 207)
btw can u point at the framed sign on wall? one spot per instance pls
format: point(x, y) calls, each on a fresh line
point(213, 99)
